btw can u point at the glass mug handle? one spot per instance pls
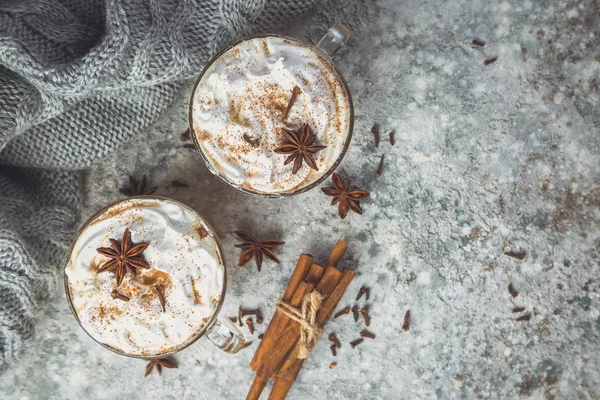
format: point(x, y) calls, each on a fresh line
point(226, 336)
point(335, 38)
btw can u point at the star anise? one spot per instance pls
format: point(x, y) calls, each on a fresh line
point(123, 257)
point(256, 250)
point(299, 147)
point(159, 362)
point(347, 196)
point(137, 188)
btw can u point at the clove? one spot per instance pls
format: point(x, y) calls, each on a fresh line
point(247, 344)
point(406, 325)
point(477, 42)
point(375, 132)
point(185, 135)
point(355, 313)
point(332, 365)
point(261, 336)
point(333, 351)
point(365, 315)
point(490, 61)
point(511, 289)
point(356, 342)
point(525, 317)
point(392, 138)
point(295, 92)
point(117, 295)
point(363, 290)
point(379, 168)
point(345, 310)
point(518, 309)
point(335, 341)
point(189, 146)
point(367, 334)
point(250, 325)
point(233, 319)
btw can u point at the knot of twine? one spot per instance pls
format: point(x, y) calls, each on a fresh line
point(306, 317)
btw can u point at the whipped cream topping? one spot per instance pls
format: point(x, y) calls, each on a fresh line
point(185, 264)
point(246, 92)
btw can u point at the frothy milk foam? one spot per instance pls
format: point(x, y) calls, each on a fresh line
point(247, 90)
point(185, 263)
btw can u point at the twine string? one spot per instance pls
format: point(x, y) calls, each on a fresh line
point(306, 317)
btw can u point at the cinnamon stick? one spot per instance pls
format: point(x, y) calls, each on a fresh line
point(337, 253)
point(314, 273)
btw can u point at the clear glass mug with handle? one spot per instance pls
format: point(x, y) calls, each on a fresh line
point(219, 330)
point(327, 47)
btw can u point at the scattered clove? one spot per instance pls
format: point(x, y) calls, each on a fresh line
point(247, 344)
point(161, 297)
point(233, 319)
point(356, 342)
point(367, 293)
point(245, 313)
point(490, 61)
point(179, 184)
point(250, 325)
point(375, 132)
point(335, 340)
point(116, 295)
point(362, 291)
point(295, 92)
point(513, 292)
point(477, 42)
point(525, 317)
point(189, 146)
point(518, 254)
point(333, 348)
point(365, 315)
point(332, 365)
point(367, 334)
point(518, 309)
point(355, 313)
point(185, 135)
point(261, 336)
point(345, 310)
point(379, 168)
point(406, 325)
point(392, 138)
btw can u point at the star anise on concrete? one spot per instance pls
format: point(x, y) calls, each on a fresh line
point(300, 147)
point(137, 188)
point(347, 196)
point(159, 362)
point(256, 250)
point(123, 257)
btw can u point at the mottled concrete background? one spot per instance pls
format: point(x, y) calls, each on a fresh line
point(488, 162)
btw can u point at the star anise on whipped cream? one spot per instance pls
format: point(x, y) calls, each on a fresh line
point(256, 250)
point(159, 362)
point(123, 257)
point(347, 196)
point(300, 147)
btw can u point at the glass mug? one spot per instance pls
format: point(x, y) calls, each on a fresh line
point(219, 330)
point(326, 48)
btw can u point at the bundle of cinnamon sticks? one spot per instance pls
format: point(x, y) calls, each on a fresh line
point(277, 354)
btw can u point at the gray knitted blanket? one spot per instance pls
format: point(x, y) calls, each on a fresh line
point(77, 79)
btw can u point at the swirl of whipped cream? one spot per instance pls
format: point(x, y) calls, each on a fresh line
point(245, 92)
point(185, 263)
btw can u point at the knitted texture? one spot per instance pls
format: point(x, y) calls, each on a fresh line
point(77, 79)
